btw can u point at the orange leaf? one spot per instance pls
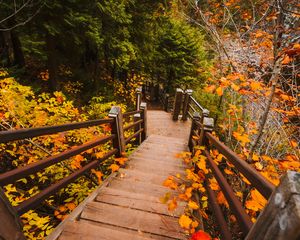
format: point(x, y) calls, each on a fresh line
point(114, 167)
point(293, 143)
point(185, 221)
point(255, 85)
point(172, 204)
point(286, 60)
point(219, 91)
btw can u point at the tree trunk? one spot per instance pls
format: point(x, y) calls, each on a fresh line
point(19, 59)
point(51, 62)
point(4, 50)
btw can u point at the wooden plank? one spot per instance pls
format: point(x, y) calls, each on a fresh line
point(139, 187)
point(137, 201)
point(133, 219)
point(154, 163)
point(84, 230)
point(164, 169)
point(141, 176)
point(164, 159)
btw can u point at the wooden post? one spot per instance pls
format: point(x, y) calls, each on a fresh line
point(207, 126)
point(137, 117)
point(143, 107)
point(10, 227)
point(185, 108)
point(196, 117)
point(280, 219)
point(138, 99)
point(177, 103)
point(166, 107)
point(117, 129)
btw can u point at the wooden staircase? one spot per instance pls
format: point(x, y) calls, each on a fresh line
point(128, 206)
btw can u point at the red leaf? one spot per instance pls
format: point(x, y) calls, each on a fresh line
point(201, 235)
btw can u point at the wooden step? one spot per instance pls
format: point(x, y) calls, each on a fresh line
point(139, 187)
point(162, 160)
point(133, 219)
point(137, 201)
point(87, 231)
point(163, 169)
point(141, 176)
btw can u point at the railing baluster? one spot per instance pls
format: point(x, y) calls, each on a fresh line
point(143, 107)
point(194, 126)
point(177, 103)
point(117, 129)
point(137, 117)
point(185, 108)
point(138, 99)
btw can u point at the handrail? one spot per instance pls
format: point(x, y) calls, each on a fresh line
point(18, 173)
point(196, 103)
point(12, 135)
point(201, 128)
point(126, 114)
point(118, 147)
point(263, 185)
point(38, 198)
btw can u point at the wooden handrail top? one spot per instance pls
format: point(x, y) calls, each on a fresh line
point(255, 178)
point(18, 173)
point(12, 135)
point(196, 103)
point(34, 201)
point(126, 114)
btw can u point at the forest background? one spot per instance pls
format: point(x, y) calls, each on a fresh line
point(66, 61)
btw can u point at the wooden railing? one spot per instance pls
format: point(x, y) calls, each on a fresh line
point(281, 214)
point(138, 126)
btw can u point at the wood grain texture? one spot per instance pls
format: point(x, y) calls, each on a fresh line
point(280, 219)
point(129, 206)
point(133, 219)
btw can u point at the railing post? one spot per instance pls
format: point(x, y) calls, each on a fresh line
point(137, 117)
point(280, 219)
point(10, 227)
point(143, 107)
point(117, 129)
point(177, 103)
point(166, 102)
point(185, 108)
point(138, 99)
point(196, 118)
point(207, 126)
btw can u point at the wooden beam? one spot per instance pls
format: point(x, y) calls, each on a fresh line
point(10, 227)
point(280, 219)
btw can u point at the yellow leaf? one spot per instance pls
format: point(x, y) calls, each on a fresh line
point(259, 166)
point(165, 198)
point(185, 221)
point(257, 201)
point(219, 91)
point(193, 205)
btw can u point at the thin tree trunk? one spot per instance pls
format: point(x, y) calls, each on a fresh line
point(19, 59)
point(51, 62)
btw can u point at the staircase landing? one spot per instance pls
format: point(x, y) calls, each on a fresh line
point(128, 206)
